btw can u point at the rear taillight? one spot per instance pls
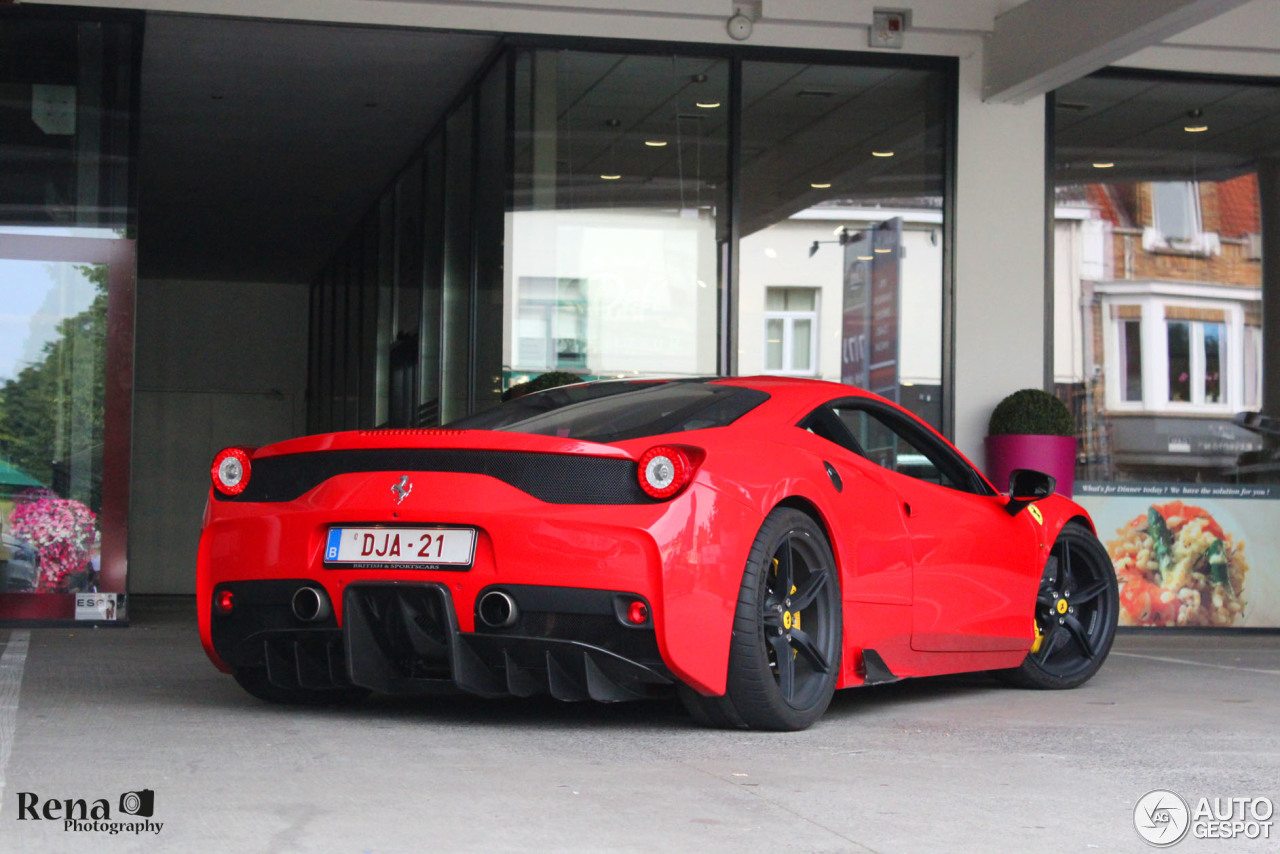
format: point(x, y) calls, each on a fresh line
point(231, 470)
point(665, 470)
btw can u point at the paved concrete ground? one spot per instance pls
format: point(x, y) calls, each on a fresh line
point(945, 765)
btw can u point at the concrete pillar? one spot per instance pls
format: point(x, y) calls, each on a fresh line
point(999, 301)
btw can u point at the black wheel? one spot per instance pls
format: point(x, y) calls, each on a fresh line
point(254, 680)
point(1076, 612)
point(784, 658)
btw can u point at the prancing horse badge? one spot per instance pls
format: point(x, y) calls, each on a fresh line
point(402, 489)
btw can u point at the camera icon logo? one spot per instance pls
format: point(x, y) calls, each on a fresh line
point(1161, 818)
point(141, 803)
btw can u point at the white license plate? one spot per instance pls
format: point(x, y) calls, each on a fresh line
point(422, 548)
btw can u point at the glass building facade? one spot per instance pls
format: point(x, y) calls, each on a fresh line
point(67, 127)
point(622, 213)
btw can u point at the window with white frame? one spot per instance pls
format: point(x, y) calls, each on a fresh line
point(1252, 366)
point(1176, 210)
point(1177, 357)
point(1195, 358)
point(1176, 223)
point(791, 331)
point(1129, 353)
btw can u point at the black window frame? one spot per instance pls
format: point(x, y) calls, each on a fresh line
point(826, 424)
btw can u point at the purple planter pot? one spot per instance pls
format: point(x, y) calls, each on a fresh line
point(1054, 455)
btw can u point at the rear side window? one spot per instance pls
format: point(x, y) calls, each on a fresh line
point(668, 408)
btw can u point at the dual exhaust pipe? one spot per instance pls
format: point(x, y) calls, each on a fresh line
point(311, 605)
point(495, 610)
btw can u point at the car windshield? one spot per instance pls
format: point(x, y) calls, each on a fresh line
point(671, 407)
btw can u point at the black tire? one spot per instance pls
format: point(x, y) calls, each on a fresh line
point(781, 677)
point(254, 681)
point(1077, 607)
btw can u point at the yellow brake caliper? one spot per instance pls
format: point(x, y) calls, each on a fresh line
point(790, 620)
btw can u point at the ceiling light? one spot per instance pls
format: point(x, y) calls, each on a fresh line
point(865, 257)
point(610, 177)
point(882, 154)
point(1103, 165)
point(1196, 128)
point(883, 251)
point(707, 105)
point(655, 143)
point(820, 186)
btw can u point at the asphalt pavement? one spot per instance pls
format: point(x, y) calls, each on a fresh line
point(89, 717)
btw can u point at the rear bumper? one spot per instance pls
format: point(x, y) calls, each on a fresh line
point(684, 556)
point(403, 638)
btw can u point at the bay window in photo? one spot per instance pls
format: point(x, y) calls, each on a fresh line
point(1158, 274)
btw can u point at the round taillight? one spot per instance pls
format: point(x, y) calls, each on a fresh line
point(224, 601)
point(231, 470)
point(638, 613)
point(664, 471)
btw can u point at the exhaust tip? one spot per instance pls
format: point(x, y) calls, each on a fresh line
point(497, 610)
point(311, 605)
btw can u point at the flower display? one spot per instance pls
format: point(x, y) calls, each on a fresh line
point(62, 531)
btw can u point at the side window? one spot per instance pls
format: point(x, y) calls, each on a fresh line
point(891, 441)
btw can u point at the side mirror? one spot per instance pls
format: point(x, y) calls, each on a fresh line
point(1026, 486)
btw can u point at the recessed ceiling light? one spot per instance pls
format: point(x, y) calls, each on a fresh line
point(884, 250)
point(610, 177)
point(865, 257)
point(820, 186)
point(1196, 128)
point(882, 154)
point(707, 105)
point(655, 143)
point(1103, 165)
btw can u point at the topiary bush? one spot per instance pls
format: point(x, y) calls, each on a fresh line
point(1031, 412)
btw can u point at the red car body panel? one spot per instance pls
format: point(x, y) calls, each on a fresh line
point(934, 579)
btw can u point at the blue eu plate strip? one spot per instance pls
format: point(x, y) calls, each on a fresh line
point(331, 548)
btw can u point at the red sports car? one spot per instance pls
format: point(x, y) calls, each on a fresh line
point(752, 544)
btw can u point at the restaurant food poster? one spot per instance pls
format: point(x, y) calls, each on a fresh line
point(1191, 555)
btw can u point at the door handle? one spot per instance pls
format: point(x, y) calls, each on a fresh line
point(906, 508)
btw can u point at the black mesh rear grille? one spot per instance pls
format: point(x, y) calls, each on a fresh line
point(554, 478)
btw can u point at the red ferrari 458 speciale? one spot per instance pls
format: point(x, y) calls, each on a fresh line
point(751, 544)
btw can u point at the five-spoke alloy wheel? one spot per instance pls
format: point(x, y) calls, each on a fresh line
point(1076, 611)
point(784, 659)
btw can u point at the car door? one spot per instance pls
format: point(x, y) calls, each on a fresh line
point(971, 589)
point(867, 523)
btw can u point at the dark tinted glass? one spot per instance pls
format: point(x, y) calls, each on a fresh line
point(669, 408)
point(540, 402)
